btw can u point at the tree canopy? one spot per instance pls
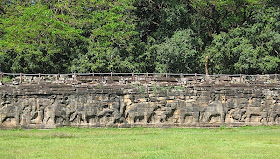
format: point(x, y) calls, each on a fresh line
point(46, 36)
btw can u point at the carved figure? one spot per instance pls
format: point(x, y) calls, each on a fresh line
point(166, 111)
point(215, 109)
point(141, 111)
point(9, 111)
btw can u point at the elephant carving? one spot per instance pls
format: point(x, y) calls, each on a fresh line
point(141, 111)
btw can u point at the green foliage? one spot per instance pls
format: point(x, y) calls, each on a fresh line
point(161, 18)
point(252, 49)
point(222, 15)
point(6, 79)
point(34, 40)
point(179, 53)
point(111, 40)
point(239, 36)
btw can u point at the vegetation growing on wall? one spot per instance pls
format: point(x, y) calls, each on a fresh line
point(238, 36)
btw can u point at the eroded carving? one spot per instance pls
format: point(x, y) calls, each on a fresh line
point(62, 105)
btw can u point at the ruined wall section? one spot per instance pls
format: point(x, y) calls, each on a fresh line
point(147, 105)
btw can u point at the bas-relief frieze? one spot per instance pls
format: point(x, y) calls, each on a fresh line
point(129, 107)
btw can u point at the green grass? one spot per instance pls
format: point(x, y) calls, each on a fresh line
point(245, 142)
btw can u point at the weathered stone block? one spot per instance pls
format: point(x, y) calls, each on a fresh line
point(47, 105)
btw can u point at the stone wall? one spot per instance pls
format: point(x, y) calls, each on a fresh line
point(205, 104)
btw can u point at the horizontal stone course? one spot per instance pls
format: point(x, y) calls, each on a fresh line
point(51, 105)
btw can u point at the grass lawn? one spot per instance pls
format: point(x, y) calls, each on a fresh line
point(245, 142)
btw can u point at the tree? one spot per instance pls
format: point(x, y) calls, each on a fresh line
point(34, 40)
point(180, 53)
point(215, 16)
point(161, 18)
point(252, 49)
point(47, 36)
point(112, 39)
point(158, 20)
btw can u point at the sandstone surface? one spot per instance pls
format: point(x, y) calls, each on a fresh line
point(121, 104)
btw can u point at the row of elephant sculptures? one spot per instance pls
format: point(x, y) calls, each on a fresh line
point(113, 109)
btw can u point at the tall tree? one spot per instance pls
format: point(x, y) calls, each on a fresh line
point(216, 16)
point(251, 49)
point(161, 18)
point(112, 38)
point(179, 54)
point(34, 40)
